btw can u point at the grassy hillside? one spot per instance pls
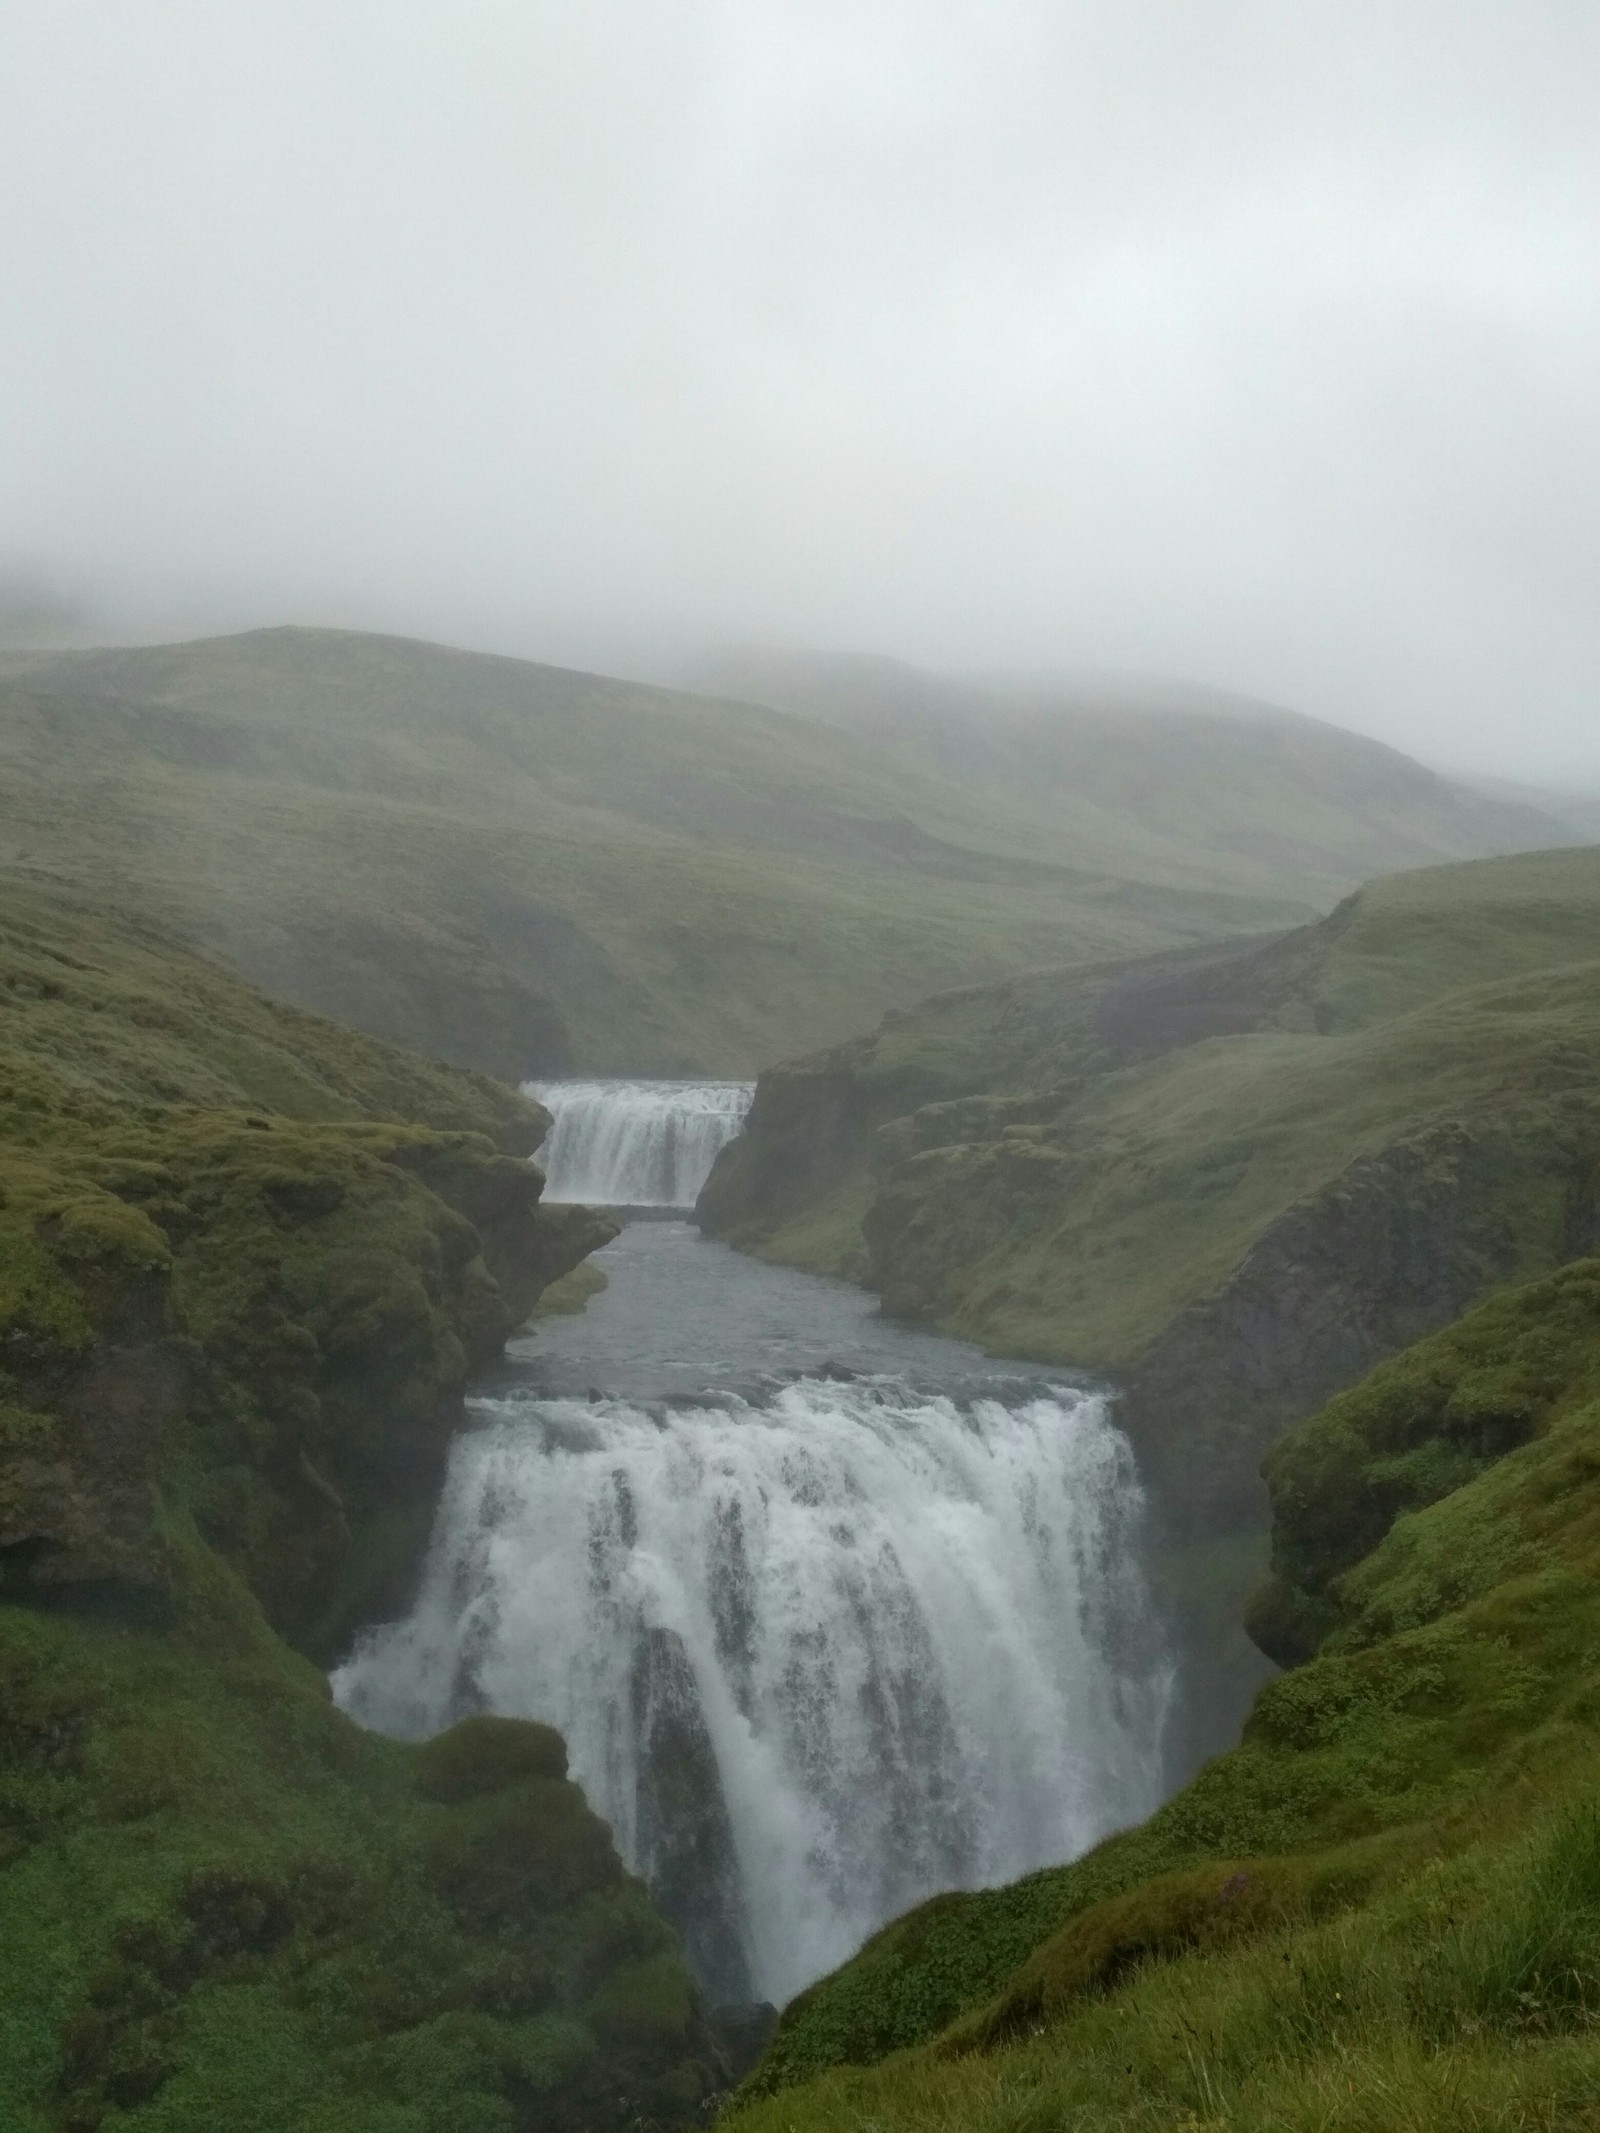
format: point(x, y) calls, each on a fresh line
point(248, 1261)
point(1381, 1911)
point(114, 1012)
point(1059, 1164)
point(1144, 771)
point(526, 870)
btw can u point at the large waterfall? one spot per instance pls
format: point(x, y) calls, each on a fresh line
point(818, 1652)
point(636, 1143)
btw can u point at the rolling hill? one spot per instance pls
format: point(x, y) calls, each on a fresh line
point(1159, 776)
point(525, 869)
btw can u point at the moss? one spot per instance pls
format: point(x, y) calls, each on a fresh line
point(486, 1754)
point(272, 1907)
point(235, 1343)
point(38, 1302)
point(573, 1293)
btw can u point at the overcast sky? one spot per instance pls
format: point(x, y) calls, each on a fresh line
point(1256, 341)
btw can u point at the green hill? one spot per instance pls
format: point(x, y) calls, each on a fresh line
point(248, 1263)
point(526, 870)
point(1161, 778)
point(1381, 1910)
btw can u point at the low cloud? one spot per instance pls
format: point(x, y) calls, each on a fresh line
point(1255, 344)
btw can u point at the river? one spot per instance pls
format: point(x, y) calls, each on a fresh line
point(833, 1613)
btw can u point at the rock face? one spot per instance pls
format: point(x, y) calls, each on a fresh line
point(808, 1130)
point(233, 1347)
point(1398, 1247)
point(686, 1850)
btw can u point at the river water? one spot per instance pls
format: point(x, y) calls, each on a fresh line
point(834, 1614)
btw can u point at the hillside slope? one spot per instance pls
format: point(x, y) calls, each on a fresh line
point(529, 870)
point(248, 1261)
point(1382, 1909)
point(1142, 771)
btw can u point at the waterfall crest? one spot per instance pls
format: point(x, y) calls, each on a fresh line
point(636, 1143)
point(817, 1654)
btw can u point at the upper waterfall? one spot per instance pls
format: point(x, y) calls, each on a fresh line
point(636, 1143)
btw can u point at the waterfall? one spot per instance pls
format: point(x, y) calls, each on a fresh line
point(636, 1143)
point(817, 1655)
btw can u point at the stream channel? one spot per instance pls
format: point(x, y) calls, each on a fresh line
point(833, 1613)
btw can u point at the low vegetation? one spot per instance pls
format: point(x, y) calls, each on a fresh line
point(247, 1262)
point(1382, 1909)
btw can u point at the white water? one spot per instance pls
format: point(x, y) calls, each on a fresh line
point(907, 1627)
point(636, 1143)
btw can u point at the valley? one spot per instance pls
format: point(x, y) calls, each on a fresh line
point(799, 1553)
point(800, 1068)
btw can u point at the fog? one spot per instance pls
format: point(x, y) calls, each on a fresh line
point(1256, 342)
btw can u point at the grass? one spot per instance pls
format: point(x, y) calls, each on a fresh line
point(1382, 1909)
point(247, 1262)
point(530, 870)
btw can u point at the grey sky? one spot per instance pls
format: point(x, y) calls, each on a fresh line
point(1258, 343)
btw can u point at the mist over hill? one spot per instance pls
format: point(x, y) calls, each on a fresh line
point(528, 869)
point(1138, 770)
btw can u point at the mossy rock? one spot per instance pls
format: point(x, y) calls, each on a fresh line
point(487, 1754)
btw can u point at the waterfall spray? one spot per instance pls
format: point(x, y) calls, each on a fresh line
point(816, 1656)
